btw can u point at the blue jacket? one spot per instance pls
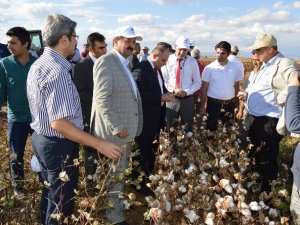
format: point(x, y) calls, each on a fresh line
point(293, 125)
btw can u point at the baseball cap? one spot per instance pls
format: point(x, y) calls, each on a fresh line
point(264, 40)
point(183, 42)
point(127, 32)
point(234, 49)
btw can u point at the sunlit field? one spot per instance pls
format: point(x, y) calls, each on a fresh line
point(201, 178)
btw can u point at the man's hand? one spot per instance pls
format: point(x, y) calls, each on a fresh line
point(167, 97)
point(123, 133)
point(179, 92)
point(242, 95)
point(239, 115)
point(109, 149)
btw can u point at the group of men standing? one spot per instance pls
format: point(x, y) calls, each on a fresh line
point(112, 102)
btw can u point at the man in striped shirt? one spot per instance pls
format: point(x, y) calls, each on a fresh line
point(57, 120)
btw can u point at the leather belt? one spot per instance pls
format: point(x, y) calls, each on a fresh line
point(221, 101)
point(183, 97)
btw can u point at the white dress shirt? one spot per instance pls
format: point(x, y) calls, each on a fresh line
point(190, 80)
point(125, 64)
point(262, 99)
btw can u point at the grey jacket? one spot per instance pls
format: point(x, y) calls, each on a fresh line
point(114, 105)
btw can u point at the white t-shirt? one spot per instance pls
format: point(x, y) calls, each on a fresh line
point(221, 79)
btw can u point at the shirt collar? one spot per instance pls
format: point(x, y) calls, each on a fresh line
point(274, 60)
point(92, 57)
point(148, 58)
point(58, 58)
point(124, 61)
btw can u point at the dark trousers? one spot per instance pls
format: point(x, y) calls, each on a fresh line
point(183, 108)
point(218, 111)
point(147, 152)
point(90, 155)
point(263, 135)
point(18, 133)
point(56, 155)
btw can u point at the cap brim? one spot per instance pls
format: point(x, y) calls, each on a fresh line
point(257, 46)
point(138, 38)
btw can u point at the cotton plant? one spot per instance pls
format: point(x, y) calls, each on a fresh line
point(204, 177)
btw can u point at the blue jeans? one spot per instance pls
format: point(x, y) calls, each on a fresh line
point(18, 133)
point(56, 155)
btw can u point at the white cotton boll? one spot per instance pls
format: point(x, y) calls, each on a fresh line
point(190, 169)
point(168, 206)
point(189, 134)
point(267, 220)
point(182, 189)
point(169, 177)
point(272, 223)
point(191, 215)
point(234, 185)
point(207, 198)
point(64, 176)
point(215, 178)
point(219, 203)
point(241, 198)
point(283, 193)
point(223, 163)
point(273, 212)
point(178, 207)
point(228, 201)
point(244, 209)
point(126, 204)
point(209, 220)
point(155, 213)
point(224, 183)
point(254, 206)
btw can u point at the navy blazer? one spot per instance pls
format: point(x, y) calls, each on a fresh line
point(83, 80)
point(149, 88)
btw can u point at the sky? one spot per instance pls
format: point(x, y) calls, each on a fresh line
point(206, 22)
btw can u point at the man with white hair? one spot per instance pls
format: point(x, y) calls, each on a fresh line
point(117, 110)
point(182, 77)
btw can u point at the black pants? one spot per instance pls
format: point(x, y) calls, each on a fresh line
point(218, 111)
point(265, 140)
point(147, 155)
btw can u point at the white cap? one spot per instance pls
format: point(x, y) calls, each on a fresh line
point(183, 42)
point(127, 32)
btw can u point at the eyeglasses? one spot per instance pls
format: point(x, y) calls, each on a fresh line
point(259, 51)
point(75, 36)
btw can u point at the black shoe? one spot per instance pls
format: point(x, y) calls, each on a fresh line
point(122, 223)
